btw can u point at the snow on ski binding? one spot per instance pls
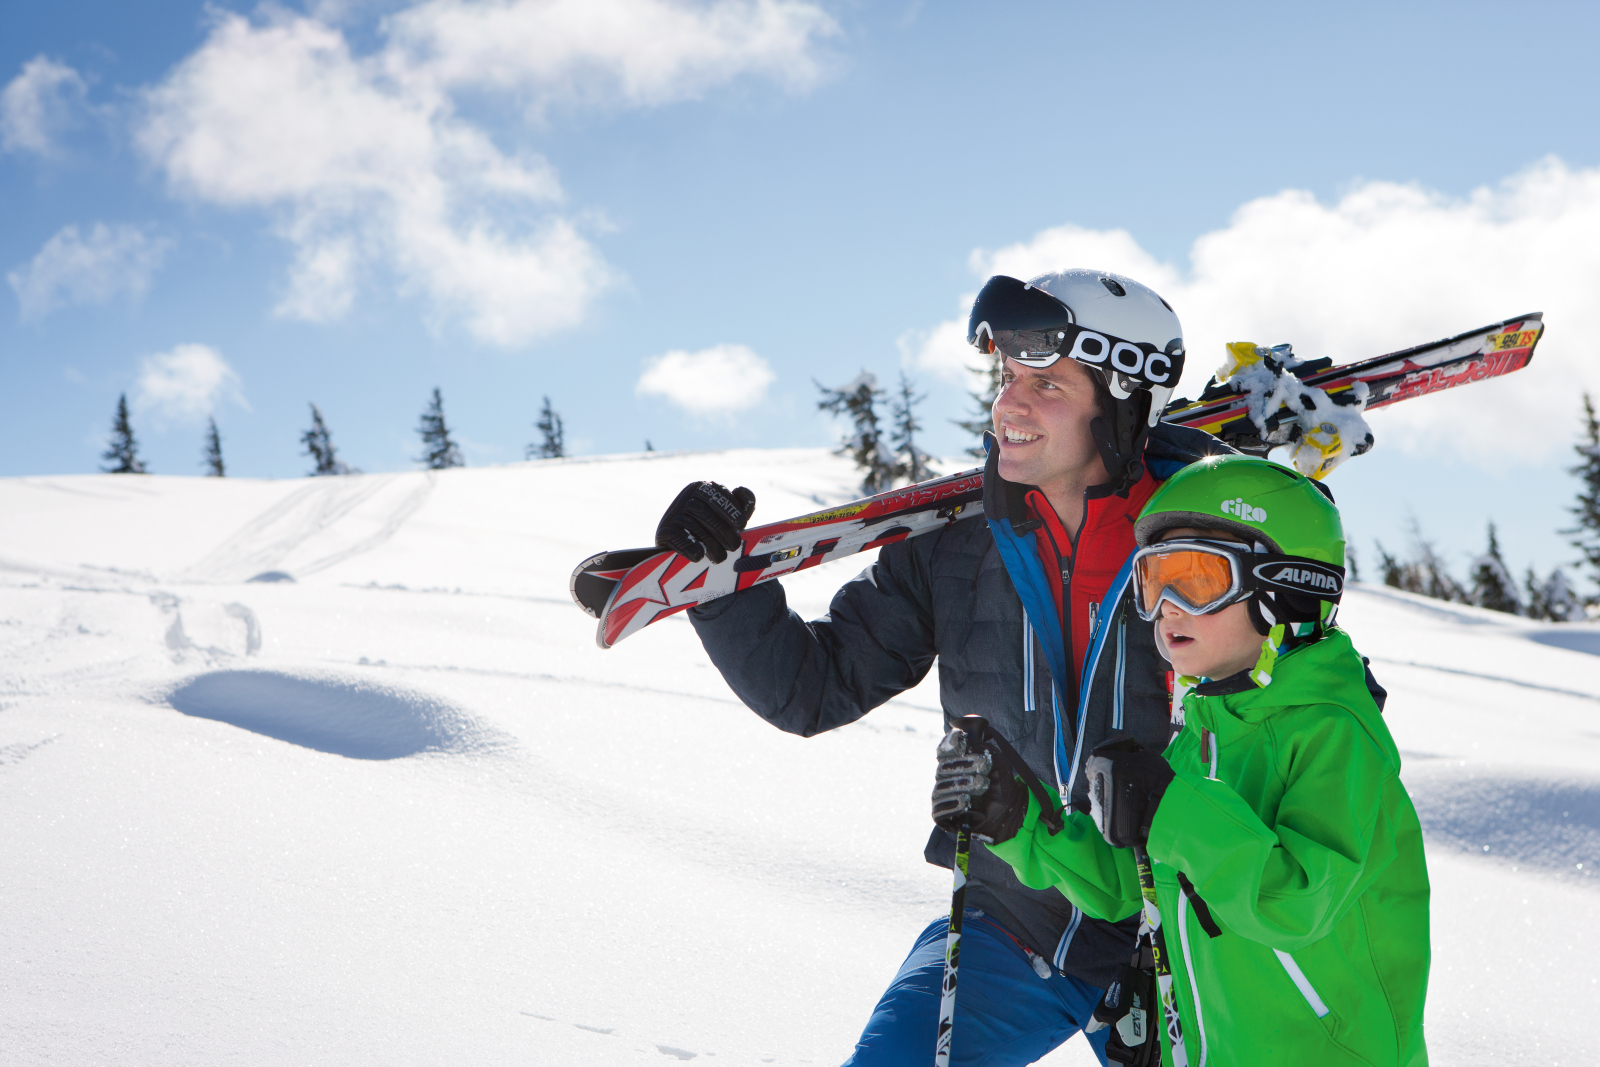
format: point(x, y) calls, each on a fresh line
point(1322, 431)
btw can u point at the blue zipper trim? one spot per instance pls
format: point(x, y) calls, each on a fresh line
point(1066, 939)
point(1119, 586)
point(1122, 671)
point(1027, 664)
point(1028, 579)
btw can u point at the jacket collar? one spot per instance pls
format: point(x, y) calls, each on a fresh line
point(1008, 500)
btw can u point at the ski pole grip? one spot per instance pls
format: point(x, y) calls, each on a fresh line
point(976, 727)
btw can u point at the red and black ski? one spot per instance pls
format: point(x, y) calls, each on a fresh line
point(1469, 357)
point(629, 589)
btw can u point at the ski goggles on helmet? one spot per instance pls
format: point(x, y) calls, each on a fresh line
point(1202, 577)
point(1020, 322)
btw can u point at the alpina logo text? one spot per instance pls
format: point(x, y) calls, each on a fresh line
point(1302, 576)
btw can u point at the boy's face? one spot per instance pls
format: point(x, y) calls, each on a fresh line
point(1207, 646)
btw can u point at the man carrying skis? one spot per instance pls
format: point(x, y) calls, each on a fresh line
point(1031, 620)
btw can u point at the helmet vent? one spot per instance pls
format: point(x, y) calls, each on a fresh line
point(1165, 304)
point(1116, 288)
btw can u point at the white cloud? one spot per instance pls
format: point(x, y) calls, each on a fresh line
point(74, 269)
point(38, 104)
point(713, 381)
point(1386, 267)
point(186, 384)
point(630, 52)
point(369, 165)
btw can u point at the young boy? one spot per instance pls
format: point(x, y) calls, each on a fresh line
point(1287, 856)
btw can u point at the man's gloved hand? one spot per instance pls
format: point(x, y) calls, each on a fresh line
point(705, 520)
point(1126, 782)
point(978, 783)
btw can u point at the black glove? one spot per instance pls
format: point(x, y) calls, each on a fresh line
point(1129, 1007)
point(978, 783)
point(1126, 783)
point(705, 520)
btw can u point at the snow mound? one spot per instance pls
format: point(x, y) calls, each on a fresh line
point(343, 716)
point(1526, 819)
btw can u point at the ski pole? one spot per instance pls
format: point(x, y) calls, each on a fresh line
point(976, 727)
point(1150, 928)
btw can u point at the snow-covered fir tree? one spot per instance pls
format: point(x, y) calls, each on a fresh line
point(439, 451)
point(318, 444)
point(554, 445)
point(122, 452)
point(1553, 598)
point(1424, 573)
point(982, 420)
point(1492, 584)
point(1587, 509)
point(866, 445)
point(911, 461)
point(211, 460)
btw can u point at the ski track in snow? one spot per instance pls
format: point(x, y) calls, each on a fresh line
point(401, 809)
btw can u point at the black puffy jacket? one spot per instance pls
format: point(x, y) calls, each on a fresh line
point(948, 596)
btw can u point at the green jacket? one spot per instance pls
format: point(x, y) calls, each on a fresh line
point(1288, 816)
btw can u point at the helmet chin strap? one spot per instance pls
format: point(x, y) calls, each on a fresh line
point(1284, 628)
point(1120, 446)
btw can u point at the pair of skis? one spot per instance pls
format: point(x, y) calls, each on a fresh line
point(629, 589)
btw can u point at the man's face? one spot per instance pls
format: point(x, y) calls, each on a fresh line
point(1041, 418)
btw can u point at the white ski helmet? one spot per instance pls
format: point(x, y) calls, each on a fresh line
point(1111, 324)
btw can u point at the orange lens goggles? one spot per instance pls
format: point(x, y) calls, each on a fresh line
point(1196, 579)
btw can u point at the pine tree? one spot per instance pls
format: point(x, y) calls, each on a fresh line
point(1537, 607)
point(1352, 564)
point(912, 462)
point(1561, 601)
point(554, 445)
point(212, 460)
point(440, 452)
point(122, 453)
point(318, 444)
point(1424, 573)
point(866, 445)
point(982, 420)
point(1492, 584)
point(1393, 572)
point(1587, 510)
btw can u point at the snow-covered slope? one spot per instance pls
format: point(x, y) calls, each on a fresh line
point(401, 809)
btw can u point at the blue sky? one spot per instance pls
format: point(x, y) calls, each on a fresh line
point(236, 209)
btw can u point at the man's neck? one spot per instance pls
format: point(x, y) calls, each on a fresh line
point(1069, 496)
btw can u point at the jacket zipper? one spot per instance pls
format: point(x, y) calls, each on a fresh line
point(1188, 964)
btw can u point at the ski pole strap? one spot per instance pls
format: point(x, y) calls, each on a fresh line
point(1049, 811)
point(1201, 910)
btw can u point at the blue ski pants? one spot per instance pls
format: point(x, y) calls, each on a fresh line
point(1005, 1013)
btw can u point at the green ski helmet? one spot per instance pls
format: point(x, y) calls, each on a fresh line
point(1289, 520)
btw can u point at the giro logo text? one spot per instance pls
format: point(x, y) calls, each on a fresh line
point(1240, 510)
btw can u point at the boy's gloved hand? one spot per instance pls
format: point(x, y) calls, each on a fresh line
point(1129, 1007)
point(706, 520)
point(1126, 782)
point(978, 783)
